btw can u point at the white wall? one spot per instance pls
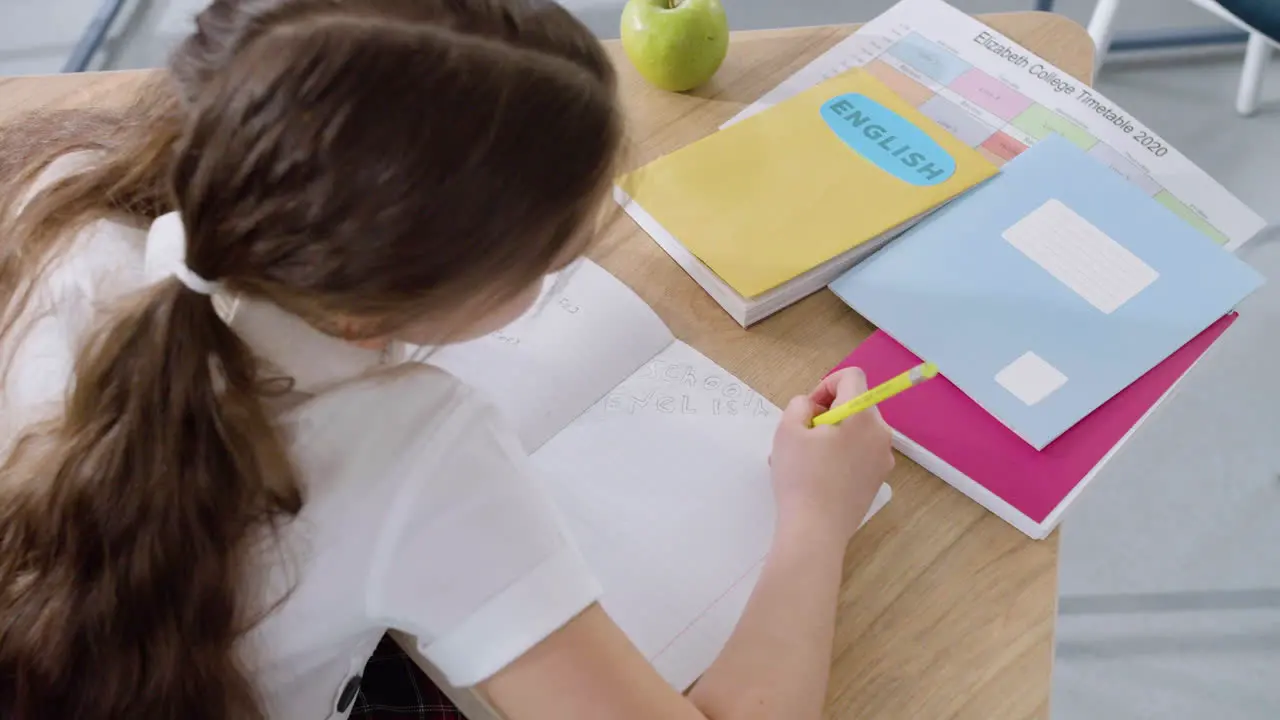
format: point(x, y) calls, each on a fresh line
point(36, 36)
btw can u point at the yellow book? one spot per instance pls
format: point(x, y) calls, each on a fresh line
point(798, 193)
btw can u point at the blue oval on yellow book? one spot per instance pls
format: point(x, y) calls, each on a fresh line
point(888, 140)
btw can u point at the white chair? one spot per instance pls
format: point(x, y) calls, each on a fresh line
point(1102, 26)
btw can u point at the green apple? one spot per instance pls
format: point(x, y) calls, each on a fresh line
point(675, 44)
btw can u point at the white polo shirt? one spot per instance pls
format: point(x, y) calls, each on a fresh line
point(421, 513)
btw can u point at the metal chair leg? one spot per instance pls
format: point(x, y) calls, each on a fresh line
point(1102, 28)
point(93, 36)
point(1255, 67)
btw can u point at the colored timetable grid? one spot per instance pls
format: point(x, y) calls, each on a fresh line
point(1000, 99)
point(999, 121)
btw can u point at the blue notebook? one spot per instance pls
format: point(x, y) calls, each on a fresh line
point(1049, 289)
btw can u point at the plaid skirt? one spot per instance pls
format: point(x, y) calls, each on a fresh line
point(393, 688)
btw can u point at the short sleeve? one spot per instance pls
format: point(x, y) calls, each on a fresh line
point(474, 561)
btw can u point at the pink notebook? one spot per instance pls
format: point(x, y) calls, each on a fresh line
point(948, 434)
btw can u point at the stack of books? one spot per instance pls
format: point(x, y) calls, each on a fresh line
point(773, 209)
point(1061, 293)
point(1061, 305)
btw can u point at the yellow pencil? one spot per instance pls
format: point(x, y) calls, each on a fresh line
point(878, 394)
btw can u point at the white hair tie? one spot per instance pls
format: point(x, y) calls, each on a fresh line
point(166, 255)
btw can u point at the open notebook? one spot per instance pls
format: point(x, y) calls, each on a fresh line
point(656, 457)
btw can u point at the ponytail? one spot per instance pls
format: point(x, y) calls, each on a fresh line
point(125, 524)
point(337, 159)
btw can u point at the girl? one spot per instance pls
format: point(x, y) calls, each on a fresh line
point(219, 488)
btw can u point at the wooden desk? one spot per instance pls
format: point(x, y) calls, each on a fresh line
point(946, 612)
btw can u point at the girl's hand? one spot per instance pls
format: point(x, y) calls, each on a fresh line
point(826, 477)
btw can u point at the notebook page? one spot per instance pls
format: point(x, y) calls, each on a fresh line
point(664, 484)
point(588, 332)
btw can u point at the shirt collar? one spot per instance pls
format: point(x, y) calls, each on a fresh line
point(290, 346)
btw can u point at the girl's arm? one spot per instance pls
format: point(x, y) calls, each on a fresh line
point(774, 666)
point(776, 663)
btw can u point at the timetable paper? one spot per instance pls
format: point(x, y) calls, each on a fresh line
point(1001, 98)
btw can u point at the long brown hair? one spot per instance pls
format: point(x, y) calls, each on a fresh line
point(371, 159)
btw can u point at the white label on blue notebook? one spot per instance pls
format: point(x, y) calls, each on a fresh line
point(1080, 256)
point(1031, 378)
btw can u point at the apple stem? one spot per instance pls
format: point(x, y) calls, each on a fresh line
point(671, 4)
